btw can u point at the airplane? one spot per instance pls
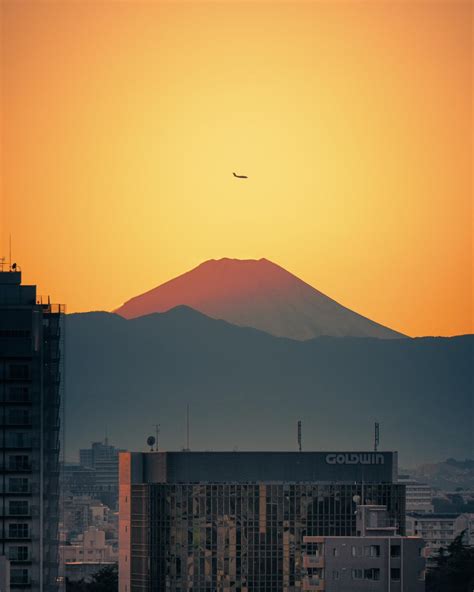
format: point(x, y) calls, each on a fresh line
point(240, 176)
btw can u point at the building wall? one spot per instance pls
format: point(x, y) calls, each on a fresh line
point(382, 564)
point(30, 382)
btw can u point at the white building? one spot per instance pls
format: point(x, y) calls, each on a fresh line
point(439, 530)
point(90, 547)
point(419, 496)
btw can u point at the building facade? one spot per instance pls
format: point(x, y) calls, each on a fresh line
point(419, 496)
point(237, 521)
point(30, 409)
point(440, 530)
point(378, 559)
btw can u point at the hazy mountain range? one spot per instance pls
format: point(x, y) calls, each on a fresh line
point(257, 294)
point(247, 388)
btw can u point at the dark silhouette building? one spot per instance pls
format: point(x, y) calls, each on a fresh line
point(30, 404)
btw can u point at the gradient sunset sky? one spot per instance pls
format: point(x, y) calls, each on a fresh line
point(122, 122)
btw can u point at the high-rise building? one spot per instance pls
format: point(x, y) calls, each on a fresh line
point(30, 409)
point(103, 459)
point(206, 521)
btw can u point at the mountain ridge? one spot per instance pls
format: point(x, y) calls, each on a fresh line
point(248, 388)
point(259, 294)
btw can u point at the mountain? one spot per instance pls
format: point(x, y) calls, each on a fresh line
point(257, 294)
point(448, 475)
point(248, 389)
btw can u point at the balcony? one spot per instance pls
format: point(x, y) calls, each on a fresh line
point(313, 584)
point(313, 561)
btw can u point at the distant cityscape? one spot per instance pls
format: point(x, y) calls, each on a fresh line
point(189, 520)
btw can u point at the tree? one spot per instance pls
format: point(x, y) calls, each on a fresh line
point(454, 570)
point(105, 580)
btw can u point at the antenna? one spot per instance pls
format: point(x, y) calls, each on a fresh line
point(157, 432)
point(187, 428)
point(10, 245)
point(299, 436)
point(376, 436)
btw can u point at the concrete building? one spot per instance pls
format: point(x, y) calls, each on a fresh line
point(237, 521)
point(439, 530)
point(30, 402)
point(103, 459)
point(419, 496)
point(377, 559)
point(89, 547)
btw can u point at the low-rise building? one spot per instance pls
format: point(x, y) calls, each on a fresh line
point(378, 559)
point(90, 547)
point(440, 530)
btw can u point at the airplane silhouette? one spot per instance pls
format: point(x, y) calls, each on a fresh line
point(240, 176)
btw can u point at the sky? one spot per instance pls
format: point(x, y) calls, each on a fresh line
point(122, 122)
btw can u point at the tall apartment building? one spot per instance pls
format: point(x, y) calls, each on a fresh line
point(103, 459)
point(206, 521)
point(30, 397)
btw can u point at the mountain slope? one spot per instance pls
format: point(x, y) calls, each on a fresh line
point(248, 389)
point(257, 294)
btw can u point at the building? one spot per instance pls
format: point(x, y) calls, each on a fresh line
point(419, 496)
point(377, 559)
point(440, 530)
point(103, 460)
point(237, 521)
point(4, 574)
point(89, 547)
point(30, 409)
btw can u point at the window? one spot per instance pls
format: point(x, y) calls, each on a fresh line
point(395, 551)
point(18, 440)
point(357, 574)
point(19, 417)
point(421, 575)
point(395, 573)
point(18, 394)
point(335, 552)
point(18, 372)
point(372, 574)
point(375, 550)
point(18, 576)
point(18, 485)
point(18, 531)
point(18, 508)
point(335, 574)
point(19, 462)
point(18, 554)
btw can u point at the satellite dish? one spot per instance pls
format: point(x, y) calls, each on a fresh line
point(151, 441)
point(356, 499)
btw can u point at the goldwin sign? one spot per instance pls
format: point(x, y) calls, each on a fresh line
point(354, 458)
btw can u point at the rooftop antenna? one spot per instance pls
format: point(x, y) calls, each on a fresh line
point(299, 436)
point(157, 432)
point(187, 429)
point(10, 248)
point(376, 436)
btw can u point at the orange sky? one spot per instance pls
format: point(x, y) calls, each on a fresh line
point(121, 124)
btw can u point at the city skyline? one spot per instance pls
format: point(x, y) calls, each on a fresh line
point(121, 130)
